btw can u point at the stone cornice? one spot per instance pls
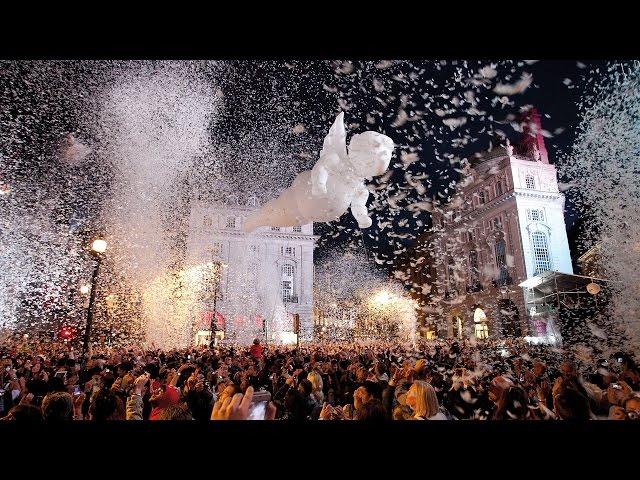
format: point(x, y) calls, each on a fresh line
point(279, 235)
point(539, 194)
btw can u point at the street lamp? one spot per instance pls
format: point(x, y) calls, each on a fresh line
point(382, 297)
point(98, 247)
point(212, 326)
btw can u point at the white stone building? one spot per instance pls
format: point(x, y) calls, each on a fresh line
point(267, 274)
point(504, 224)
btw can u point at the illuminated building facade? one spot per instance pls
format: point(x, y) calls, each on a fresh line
point(504, 224)
point(267, 274)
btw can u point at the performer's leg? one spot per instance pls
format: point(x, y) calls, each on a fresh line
point(279, 212)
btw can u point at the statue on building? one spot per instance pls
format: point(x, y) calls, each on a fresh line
point(509, 148)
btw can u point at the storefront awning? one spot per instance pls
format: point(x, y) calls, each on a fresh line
point(543, 287)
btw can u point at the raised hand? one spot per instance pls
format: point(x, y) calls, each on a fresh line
point(327, 412)
point(140, 383)
point(233, 408)
point(78, 400)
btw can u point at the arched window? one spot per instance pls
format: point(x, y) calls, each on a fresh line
point(481, 329)
point(474, 273)
point(452, 277)
point(457, 326)
point(501, 262)
point(529, 182)
point(498, 188)
point(541, 256)
point(287, 276)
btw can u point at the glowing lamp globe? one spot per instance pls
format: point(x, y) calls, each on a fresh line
point(99, 246)
point(382, 297)
point(593, 288)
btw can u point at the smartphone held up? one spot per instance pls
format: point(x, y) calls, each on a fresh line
point(259, 404)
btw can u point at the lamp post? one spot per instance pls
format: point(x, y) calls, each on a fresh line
point(98, 247)
point(212, 327)
point(266, 332)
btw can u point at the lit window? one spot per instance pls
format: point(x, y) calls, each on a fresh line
point(231, 222)
point(481, 330)
point(541, 257)
point(480, 326)
point(479, 315)
point(529, 182)
point(457, 326)
point(498, 188)
point(297, 229)
point(287, 271)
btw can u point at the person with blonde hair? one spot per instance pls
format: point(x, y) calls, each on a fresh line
point(316, 383)
point(422, 400)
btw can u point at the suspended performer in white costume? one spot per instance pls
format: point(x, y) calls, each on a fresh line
point(335, 183)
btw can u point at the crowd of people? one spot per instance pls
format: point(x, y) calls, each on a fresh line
point(376, 381)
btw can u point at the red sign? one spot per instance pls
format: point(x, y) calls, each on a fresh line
point(205, 320)
point(239, 322)
point(220, 320)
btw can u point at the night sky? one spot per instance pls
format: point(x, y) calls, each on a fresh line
point(557, 87)
point(264, 101)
